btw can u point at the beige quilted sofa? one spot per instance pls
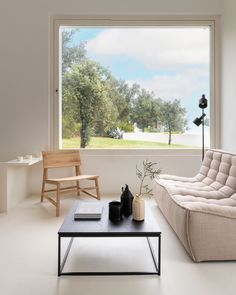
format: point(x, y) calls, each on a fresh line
point(202, 209)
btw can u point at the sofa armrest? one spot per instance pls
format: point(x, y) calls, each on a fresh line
point(212, 209)
point(211, 234)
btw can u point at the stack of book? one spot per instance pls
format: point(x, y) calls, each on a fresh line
point(88, 211)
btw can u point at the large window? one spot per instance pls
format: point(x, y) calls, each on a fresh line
point(133, 86)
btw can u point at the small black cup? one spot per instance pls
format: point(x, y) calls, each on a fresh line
point(115, 211)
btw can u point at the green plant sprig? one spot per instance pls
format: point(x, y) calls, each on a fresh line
point(150, 171)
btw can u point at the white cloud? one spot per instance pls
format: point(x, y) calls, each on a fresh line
point(180, 86)
point(157, 49)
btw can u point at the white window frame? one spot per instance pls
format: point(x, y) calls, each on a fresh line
point(125, 21)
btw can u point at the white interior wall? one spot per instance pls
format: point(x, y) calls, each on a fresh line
point(115, 170)
point(228, 131)
point(24, 72)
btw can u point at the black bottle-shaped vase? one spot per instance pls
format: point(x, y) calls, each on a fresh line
point(126, 201)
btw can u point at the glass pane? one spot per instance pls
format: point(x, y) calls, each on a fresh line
point(134, 87)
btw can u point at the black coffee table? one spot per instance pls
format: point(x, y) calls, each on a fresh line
point(105, 228)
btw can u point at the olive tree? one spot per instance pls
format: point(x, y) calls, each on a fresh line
point(85, 84)
point(172, 117)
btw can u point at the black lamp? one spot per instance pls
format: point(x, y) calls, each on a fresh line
point(200, 120)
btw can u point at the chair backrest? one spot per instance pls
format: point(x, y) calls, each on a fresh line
point(57, 159)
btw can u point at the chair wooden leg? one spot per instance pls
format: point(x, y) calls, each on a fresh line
point(45, 176)
point(42, 192)
point(58, 201)
point(77, 173)
point(97, 189)
point(78, 188)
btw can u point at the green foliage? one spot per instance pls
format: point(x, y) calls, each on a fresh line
point(145, 109)
point(150, 129)
point(172, 117)
point(148, 170)
point(115, 133)
point(71, 54)
point(70, 128)
point(125, 95)
point(107, 116)
point(84, 83)
point(126, 127)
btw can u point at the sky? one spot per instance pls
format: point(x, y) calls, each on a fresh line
point(173, 62)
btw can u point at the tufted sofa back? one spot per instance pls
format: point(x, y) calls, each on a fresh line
point(218, 171)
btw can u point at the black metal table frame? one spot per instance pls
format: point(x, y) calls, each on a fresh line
point(61, 263)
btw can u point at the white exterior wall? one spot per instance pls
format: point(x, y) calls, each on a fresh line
point(188, 139)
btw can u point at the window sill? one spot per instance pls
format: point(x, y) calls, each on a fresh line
point(141, 152)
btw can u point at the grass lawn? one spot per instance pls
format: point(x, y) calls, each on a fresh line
point(110, 143)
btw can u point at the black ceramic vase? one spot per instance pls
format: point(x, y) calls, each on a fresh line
point(126, 201)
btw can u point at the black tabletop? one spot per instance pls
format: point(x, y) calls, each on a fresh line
point(106, 228)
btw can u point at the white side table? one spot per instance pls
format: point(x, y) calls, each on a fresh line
point(14, 182)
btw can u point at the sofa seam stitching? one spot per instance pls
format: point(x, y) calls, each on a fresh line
point(188, 235)
point(211, 213)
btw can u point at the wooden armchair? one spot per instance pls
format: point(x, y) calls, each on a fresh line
point(61, 159)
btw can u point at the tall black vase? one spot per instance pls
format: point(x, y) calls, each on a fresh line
point(126, 201)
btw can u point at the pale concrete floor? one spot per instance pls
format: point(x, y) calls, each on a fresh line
point(28, 260)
